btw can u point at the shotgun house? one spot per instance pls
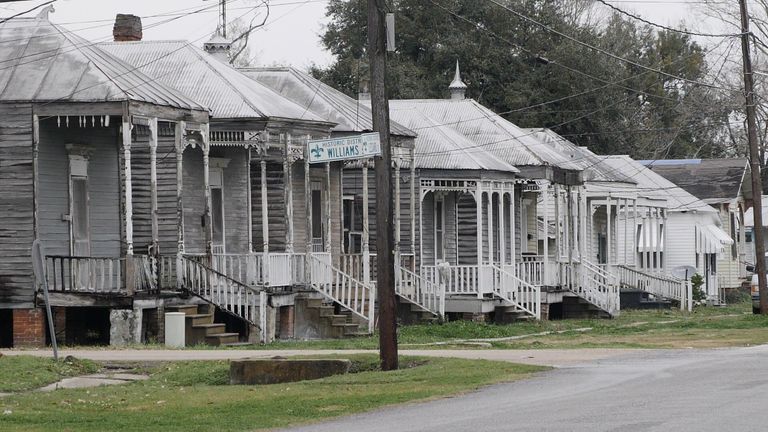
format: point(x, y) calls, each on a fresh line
point(690, 239)
point(91, 151)
point(625, 228)
point(275, 229)
point(724, 184)
point(353, 117)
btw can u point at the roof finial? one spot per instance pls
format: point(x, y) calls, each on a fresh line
point(43, 14)
point(457, 86)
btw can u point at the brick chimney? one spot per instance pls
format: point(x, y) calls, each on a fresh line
point(127, 28)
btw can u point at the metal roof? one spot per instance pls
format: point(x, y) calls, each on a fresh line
point(653, 185)
point(581, 158)
point(439, 146)
point(489, 131)
point(712, 180)
point(211, 82)
point(43, 62)
point(349, 114)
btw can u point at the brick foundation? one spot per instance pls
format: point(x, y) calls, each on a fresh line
point(475, 316)
point(286, 322)
point(28, 328)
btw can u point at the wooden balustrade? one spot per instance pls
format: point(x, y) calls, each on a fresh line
point(341, 288)
point(136, 273)
point(428, 295)
point(658, 284)
point(522, 295)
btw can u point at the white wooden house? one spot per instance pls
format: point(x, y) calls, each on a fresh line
point(87, 144)
point(724, 184)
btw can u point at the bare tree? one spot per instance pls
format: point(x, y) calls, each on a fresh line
point(241, 29)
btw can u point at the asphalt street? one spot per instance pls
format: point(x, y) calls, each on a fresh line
point(681, 390)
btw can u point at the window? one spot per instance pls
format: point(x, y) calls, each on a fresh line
point(353, 210)
point(217, 209)
point(439, 230)
point(79, 216)
point(317, 217)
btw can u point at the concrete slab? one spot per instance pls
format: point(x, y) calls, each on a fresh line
point(94, 380)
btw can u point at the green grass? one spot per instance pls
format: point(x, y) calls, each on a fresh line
point(190, 396)
point(21, 373)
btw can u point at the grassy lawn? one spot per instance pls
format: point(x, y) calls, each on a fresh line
point(26, 373)
point(192, 396)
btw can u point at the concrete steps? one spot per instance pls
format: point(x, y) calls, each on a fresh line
point(325, 321)
point(201, 328)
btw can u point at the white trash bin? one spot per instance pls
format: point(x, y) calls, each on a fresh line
point(175, 328)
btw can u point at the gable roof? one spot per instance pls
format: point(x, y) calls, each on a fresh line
point(349, 114)
point(653, 185)
point(43, 62)
point(581, 157)
point(441, 147)
point(487, 130)
point(712, 180)
point(200, 76)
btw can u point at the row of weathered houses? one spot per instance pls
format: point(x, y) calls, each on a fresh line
point(156, 176)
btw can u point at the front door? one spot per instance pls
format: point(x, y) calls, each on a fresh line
point(79, 217)
point(317, 217)
point(217, 209)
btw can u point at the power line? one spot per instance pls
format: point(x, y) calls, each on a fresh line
point(27, 11)
point(671, 29)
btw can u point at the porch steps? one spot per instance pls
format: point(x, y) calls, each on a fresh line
point(201, 328)
point(511, 315)
point(412, 313)
point(338, 321)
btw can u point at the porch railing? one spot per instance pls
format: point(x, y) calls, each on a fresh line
point(101, 275)
point(226, 293)
point(531, 270)
point(419, 291)
point(521, 294)
point(660, 285)
point(462, 279)
point(593, 284)
point(341, 288)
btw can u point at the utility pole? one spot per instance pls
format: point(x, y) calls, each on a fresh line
point(385, 245)
point(754, 159)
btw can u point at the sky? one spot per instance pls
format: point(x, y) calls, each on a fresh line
point(291, 34)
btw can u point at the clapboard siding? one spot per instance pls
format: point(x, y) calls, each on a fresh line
point(140, 183)
point(16, 205)
point(193, 199)
point(467, 229)
point(167, 204)
point(428, 225)
point(275, 209)
point(235, 191)
point(103, 187)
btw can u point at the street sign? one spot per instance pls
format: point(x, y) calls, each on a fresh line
point(346, 148)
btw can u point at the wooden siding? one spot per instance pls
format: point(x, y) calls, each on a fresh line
point(140, 183)
point(467, 229)
point(167, 222)
point(16, 206)
point(235, 198)
point(193, 198)
point(728, 267)
point(276, 205)
point(103, 188)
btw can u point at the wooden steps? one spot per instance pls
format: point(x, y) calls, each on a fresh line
point(337, 325)
point(201, 328)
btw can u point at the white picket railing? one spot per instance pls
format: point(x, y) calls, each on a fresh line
point(531, 270)
point(419, 291)
point(593, 284)
point(460, 279)
point(523, 295)
point(660, 285)
point(341, 288)
point(228, 294)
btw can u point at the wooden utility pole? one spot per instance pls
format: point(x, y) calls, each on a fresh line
point(754, 159)
point(385, 245)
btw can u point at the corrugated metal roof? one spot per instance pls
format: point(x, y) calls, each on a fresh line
point(41, 61)
point(713, 180)
point(350, 114)
point(654, 185)
point(200, 76)
point(489, 131)
point(581, 158)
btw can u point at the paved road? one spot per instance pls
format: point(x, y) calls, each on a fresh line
point(716, 390)
point(553, 357)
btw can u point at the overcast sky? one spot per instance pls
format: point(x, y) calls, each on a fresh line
point(291, 34)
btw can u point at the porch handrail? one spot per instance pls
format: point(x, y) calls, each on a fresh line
point(593, 284)
point(459, 279)
point(658, 284)
point(217, 288)
point(524, 296)
point(343, 289)
point(85, 274)
point(419, 291)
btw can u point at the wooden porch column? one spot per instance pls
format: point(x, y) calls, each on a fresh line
point(625, 220)
point(180, 145)
point(647, 235)
point(264, 220)
point(556, 188)
point(207, 190)
point(366, 229)
point(513, 229)
point(490, 226)
point(545, 220)
point(634, 235)
point(609, 235)
point(583, 236)
point(327, 245)
point(398, 160)
point(308, 214)
point(288, 194)
point(249, 199)
point(153, 184)
point(664, 237)
point(413, 209)
point(502, 239)
point(479, 215)
point(128, 186)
